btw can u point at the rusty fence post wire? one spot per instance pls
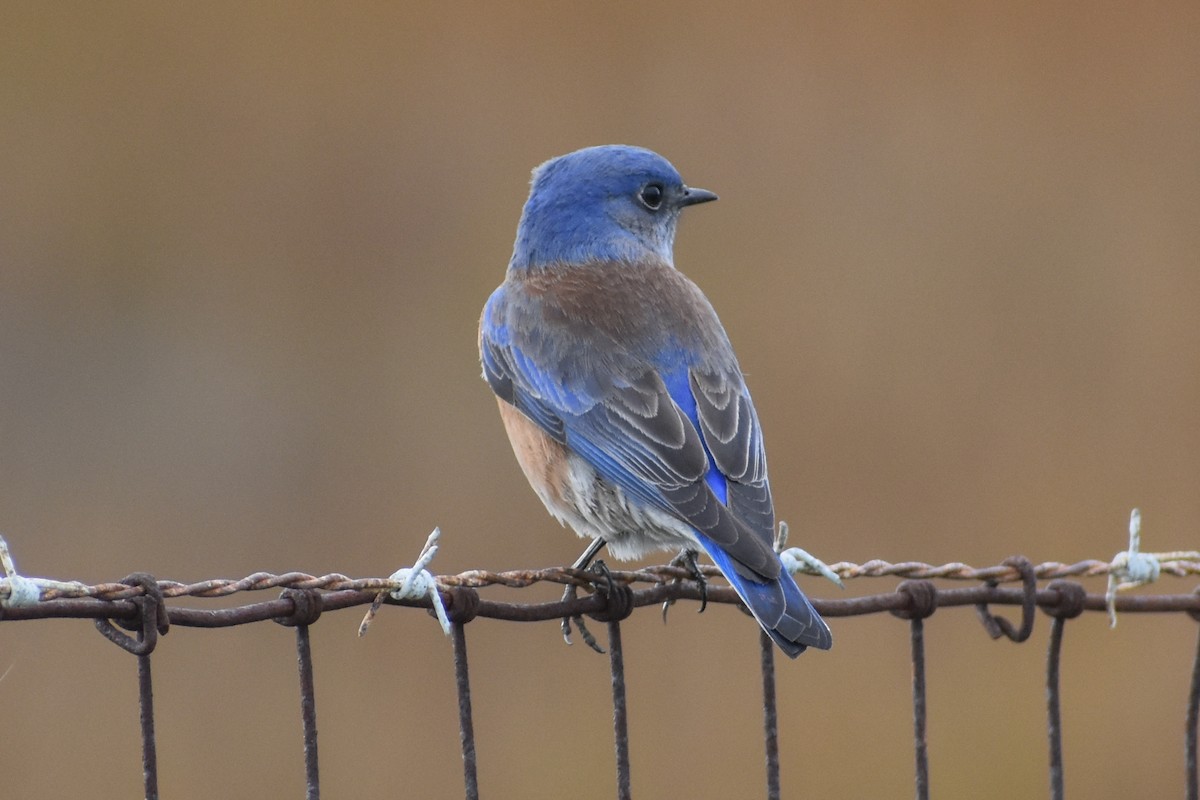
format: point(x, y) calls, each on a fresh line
point(151, 622)
point(462, 604)
point(770, 714)
point(920, 743)
point(618, 598)
point(146, 719)
point(1193, 718)
point(308, 714)
point(1071, 597)
point(922, 602)
point(307, 606)
point(466, 728)
point(616, 656)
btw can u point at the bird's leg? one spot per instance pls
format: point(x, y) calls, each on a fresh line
point(585, 558)
point(687, 560)
point(572, 591)
point(688, 557)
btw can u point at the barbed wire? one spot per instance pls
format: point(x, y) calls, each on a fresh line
point(666, 583)
point(1176, 564)
point(33, 598)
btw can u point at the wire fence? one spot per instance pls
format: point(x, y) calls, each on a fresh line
point(134, 613)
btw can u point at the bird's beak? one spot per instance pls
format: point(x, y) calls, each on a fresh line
point(693, 196)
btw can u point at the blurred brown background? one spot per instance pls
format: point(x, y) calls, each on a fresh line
point(242, 256)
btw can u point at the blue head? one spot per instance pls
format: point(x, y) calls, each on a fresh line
point(608, 203)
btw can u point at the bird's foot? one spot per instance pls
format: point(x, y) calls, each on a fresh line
point(572, 592)
point(687, 560)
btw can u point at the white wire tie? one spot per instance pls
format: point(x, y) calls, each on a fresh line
point(796, 559)
point(415, 583)
point(1130, 568)
point(22, 592)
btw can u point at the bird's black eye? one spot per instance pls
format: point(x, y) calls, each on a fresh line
point(651, 196)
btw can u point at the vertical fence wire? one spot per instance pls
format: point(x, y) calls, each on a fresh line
point(922, 602)
point(920, 746)
point(307, 605)
point(149, 747)
point(770, 715)
point(1071, 599)
point(1053, 707)
point(308, 714)
point(466, 726)
point(616, 659)
point(152, 622)
point(1193, 717)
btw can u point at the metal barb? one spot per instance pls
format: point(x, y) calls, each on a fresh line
point(415, 583)
point(1130, 568)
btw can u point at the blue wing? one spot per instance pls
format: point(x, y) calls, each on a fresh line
point(674, 428)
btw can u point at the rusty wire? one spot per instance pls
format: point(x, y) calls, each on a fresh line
point(114, 601)
point(519, 579)
point(111, 600)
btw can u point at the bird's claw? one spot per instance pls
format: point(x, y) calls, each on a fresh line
point(571, 593)
point(687, 560)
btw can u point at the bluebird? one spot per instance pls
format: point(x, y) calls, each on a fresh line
point(618, 387)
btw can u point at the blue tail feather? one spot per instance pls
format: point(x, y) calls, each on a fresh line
point(778, 604)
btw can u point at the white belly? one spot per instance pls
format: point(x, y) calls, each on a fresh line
point(594, 507)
